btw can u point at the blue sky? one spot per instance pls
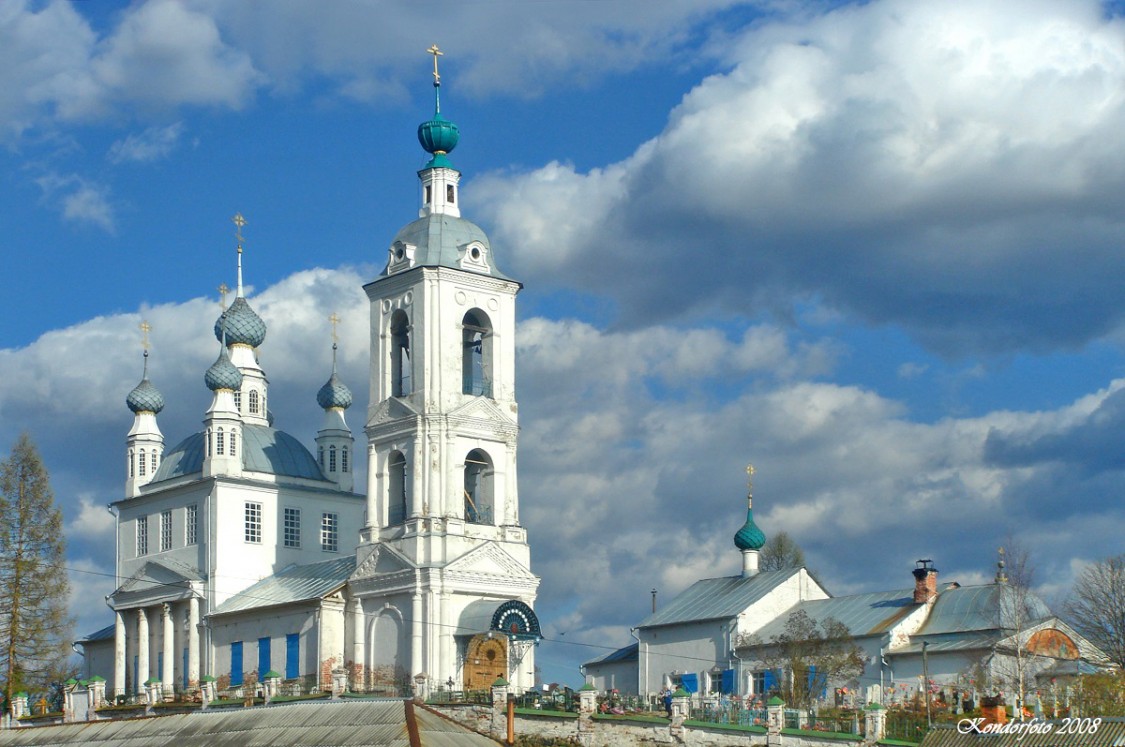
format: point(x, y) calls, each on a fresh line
point(874, 248)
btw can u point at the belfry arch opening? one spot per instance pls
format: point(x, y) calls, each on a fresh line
point(396, 489)
point(476, 354)
point(402, 380)
point(479, 488)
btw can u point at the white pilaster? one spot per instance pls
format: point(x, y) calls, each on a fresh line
point(142, 652)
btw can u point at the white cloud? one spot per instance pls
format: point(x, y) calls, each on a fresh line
point(80, 200)
point(954, 169)
point(91, 520)
point(151, 144)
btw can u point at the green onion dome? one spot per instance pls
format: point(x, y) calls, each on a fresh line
point(438, 136)
point(223, 374)
point(241, 324)
point(749, 537)
point(334, 394)
point(145, 397)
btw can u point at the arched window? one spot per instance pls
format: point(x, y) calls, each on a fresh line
point(219, 442)
point(209, 452)
point(331, 458)
point(476, 354)
point(343, 458)
point(253, 402)
point(402, 382)
point(478, 488)
point(233, 443)
point(396, 495)
point(320, 456)
point(154, 461)
point(132, 464)
point(450, 194)
point(238, 401)
point(141, 464)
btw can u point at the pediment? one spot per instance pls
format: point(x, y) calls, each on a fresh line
point(153, 575)
point(481, 408)
point(379, 560)
point(490, 559)
point(390, 410)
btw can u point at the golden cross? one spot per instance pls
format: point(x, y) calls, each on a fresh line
point(749, 484)
point(223, 291)
point(239, 222)
point(436, 53)
point(334, 319)
point(145, 329)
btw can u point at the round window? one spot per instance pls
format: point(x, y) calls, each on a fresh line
point(474, 253)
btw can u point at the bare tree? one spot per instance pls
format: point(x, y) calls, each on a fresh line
point(780, 552)
point(1097, 606)
point(807, 656)
point(35, 630)
point(1017, 610)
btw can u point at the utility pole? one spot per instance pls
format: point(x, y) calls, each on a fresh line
point(926, 684)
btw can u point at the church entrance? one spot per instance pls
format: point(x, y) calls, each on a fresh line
point(486, 660)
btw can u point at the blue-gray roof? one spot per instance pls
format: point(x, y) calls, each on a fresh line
point(241, 325)
point(263, 449)
point(105, 634)
point(716, 598)
point(864, 614)
point(629, 653)
point(296, 583)
point(145, 397)
point(987, 607)
point(440, 241)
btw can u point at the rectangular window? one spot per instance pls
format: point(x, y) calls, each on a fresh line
point(292, 656)
point(329, 532)
point(253, 522)
point(344, 459)
point(263, 658)
point(292, 527)
point(142, 536)
point(166, 530)
point(191, 525)
point(238, 401)
point(236, 663)
point(154, 461)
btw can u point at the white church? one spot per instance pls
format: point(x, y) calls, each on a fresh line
point(241, 554)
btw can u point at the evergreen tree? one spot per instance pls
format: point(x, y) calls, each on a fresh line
point(35, 629)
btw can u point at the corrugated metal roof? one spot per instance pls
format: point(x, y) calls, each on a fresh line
point(629, 653)
point(987, 607)
point(1109, 733)
point(296, 583)
point(864, 614)
point(344, 723)
point(715, 598)
point(936, 644)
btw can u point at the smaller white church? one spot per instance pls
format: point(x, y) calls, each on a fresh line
point(718, 637)
point(242, 555)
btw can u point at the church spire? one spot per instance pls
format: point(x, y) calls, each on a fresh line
point(145, 442)
point(334, 441)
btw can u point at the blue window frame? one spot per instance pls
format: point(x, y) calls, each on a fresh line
point(160, 666)
point(292, 656)
point(236, 663)
point(185, 670)
point(263, 658)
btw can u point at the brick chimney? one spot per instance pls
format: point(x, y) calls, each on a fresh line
point(925, 582)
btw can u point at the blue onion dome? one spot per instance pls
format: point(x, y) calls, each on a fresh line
point(334, 393)
point(749, 537)
point(223, 374)
point(241, 325)
point(145, 397)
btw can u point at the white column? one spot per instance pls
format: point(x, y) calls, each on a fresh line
point(168, 675)
point(372, 522)
point(118, 654)
point(142, 652)
point(193, 642)
point(416, 633)
point(359, 670)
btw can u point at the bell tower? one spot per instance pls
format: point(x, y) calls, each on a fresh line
point(442, 421)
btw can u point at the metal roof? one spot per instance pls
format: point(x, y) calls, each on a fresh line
point(342, 723)
point(864, 614)
point(295, 583)
point(105, 634)
point(716, 598)
point(963, 641)
point(629, 653)
point(264, 449)
point(440, 240)
point(986, 607)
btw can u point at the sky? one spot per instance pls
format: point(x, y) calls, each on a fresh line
point(875, 249)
